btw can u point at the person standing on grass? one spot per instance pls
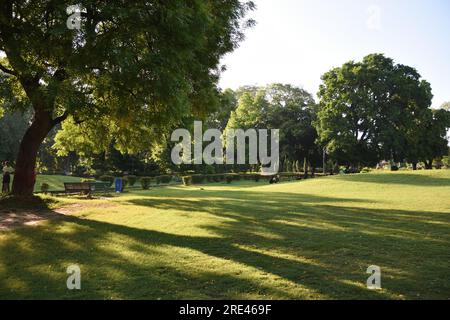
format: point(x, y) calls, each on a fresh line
point(7, 171)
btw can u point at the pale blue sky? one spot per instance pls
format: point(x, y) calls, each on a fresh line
point(296, 41)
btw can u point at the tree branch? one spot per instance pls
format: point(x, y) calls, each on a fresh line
point(60, 118)
point(6, 70)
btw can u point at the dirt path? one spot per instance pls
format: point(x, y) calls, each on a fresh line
point(16, 218)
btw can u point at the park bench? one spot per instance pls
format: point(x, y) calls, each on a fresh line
point(85, 187)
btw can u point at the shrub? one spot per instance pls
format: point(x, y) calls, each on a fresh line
point(256, 177)
point(176, 179)
point(163, 179)
point(219, 177)
point(45, 187)
point(229, 178)
point(187, 180)
point(198, 179)
point(107, 178)
point(131, 180)
point(145, 182)
point(446, 161)
point(124, 182)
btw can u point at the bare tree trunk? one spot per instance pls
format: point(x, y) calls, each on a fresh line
point(24, 174)
point(414, 165)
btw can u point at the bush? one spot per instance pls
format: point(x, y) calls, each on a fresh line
point(163, 179)
point(198, 179)
point(45, 187)
point(229, 178)
point(187, 180)
point(219, 177)
point(256, 177)
point(145, 182)
point(131, 180)
point(107, 178)
point(446, 161)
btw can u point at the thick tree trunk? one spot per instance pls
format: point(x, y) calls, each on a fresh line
point(23, 184)
point(414, 165)
point(429, 165)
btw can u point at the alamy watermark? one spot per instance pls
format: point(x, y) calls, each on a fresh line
point(74, 280)
point(374, 281)
point(373, 21)
point(238, 146)
point(73, 22)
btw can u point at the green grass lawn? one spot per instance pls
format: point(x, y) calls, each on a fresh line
point(56, 182)
point(312, 239)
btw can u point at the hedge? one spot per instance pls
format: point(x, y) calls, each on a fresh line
point(106, 178)
point(163, 179)
point(145, 182)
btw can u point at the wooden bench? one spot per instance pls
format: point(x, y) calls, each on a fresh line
point(77, 187)
point(85, 187)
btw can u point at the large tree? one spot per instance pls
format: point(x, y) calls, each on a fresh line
point(290, 109)
point(372, 110)
point(131, 68)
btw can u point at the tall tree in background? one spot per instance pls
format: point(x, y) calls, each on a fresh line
point(284, 107)
point(428, 139)
point(227, 104)
point(138, 66)
point(372, 110)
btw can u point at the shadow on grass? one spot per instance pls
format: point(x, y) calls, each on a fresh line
point(18, 203)
point(398, 178)
point(316, 246)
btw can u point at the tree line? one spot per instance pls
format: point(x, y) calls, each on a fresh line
point(106, 96)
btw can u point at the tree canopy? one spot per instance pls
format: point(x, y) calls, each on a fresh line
point(287, 108)
point(131, 70)
point(376, 109)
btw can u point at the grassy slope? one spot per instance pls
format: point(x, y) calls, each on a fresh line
point(303, 240)
point(55, 182)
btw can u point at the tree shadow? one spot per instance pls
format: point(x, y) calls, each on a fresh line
point(315, 247)
point(397, 179)
point(110, 274)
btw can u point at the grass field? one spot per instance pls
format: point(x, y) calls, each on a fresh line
point(55, 182)
point(312, 239)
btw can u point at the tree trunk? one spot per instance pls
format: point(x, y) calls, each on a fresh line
point(24, 173)
point(305, 168)
point(414, 165)
point(429, 165)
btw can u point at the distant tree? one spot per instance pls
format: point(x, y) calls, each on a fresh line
point(372, 110)
point(132, 69)
point(428, 139)
point(227, 104)
point(284, 107)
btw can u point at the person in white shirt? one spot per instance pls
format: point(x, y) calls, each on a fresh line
point(6, 180)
